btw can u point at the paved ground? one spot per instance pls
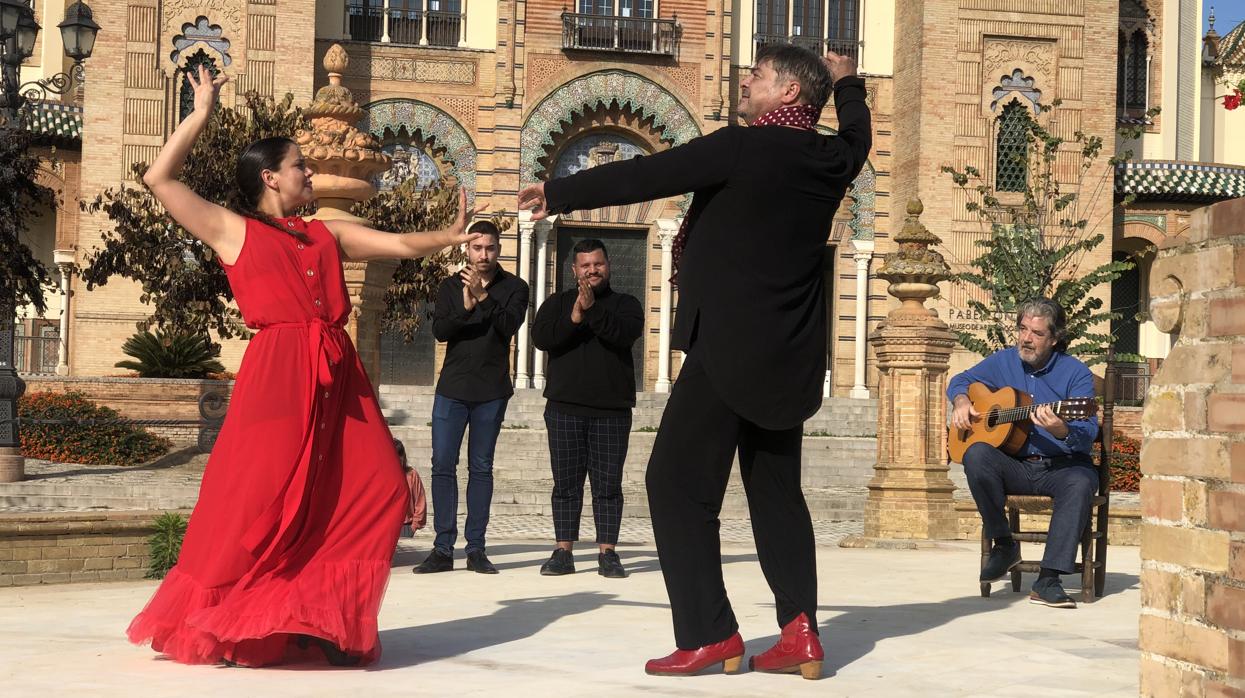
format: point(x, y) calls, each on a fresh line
point(894, 623)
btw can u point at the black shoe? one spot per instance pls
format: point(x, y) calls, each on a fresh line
point(1002, 559)
point(608, 565)
point(335, 655)
point(559, 563)
point(477, 561)
point(436, 561)
point(1049, 592)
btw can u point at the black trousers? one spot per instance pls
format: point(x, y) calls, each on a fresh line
point(687, 477)
point(595, 447)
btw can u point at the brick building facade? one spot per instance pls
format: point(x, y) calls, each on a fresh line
point(498, 94)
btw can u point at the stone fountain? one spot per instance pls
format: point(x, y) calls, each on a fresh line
point(344, 160)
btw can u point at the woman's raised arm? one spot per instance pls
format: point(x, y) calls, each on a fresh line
point(218, 227)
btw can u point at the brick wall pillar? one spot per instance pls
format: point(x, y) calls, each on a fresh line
point(1192, 634)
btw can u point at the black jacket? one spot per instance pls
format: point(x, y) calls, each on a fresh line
point(751, 293)
point(477, 360)
point(590, 364)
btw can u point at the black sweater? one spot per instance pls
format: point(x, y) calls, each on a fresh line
point(477, 360)
point(751, 283)
point(590, 367)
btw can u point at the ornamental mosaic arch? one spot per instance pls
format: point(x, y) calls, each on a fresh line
point(588, 92)
point(433, 124)
point(863, 195)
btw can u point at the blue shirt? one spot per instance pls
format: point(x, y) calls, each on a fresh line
point(1062, 377)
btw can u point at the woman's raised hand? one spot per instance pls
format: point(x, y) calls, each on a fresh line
point(457, 233)
point(206, 87)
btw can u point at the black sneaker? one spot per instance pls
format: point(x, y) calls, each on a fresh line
point(1002, 559)
point(559, 563)
point(608, 565)
point(1049, 592)
point(477, 561)
point(436, 561)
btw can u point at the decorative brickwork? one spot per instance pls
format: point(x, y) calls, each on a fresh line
point(74, 547)
point(1193, 462)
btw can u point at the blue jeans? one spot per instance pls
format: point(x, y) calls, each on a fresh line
point(1071, 481)
point(450, 419)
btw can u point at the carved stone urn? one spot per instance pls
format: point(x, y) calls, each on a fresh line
point(345, 160)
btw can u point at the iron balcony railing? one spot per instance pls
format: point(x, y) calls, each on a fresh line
point(368, 21)
point(816, 44)
point(592, 32)
point(36, 355)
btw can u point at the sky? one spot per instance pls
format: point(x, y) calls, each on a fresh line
point(1228, 14)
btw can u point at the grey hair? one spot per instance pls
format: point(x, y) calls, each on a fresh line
point(803, 66)
point(1054, 314)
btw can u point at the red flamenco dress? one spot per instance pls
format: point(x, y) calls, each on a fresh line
point(303, 498)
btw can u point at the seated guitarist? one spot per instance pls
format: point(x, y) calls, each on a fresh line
point(1054, 462)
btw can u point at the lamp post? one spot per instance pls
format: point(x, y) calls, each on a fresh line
point(18, 31)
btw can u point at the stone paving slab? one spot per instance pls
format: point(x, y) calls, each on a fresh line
point(894, 623)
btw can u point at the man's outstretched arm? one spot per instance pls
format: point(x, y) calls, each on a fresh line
point(698, 164)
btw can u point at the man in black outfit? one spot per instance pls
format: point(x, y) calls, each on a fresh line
point(752, 322)
point(478, 311)
point(588, 331)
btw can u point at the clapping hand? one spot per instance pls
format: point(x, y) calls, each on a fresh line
point(583, 301)
point(473, 287)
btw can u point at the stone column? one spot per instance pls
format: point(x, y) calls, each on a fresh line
point(1192, 630)
point(543, 230)
point(863, 255)
point(344, 160)
point(910, 493)
point(667, 228)
point(527, 227)
point(64, 261)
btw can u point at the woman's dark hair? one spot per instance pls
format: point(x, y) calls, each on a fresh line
point(263, 154)
point(401, 449)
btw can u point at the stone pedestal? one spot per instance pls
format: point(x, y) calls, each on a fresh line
point(910, 495)
point(344, 160)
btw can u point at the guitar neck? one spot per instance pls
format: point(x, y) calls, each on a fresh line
point(1016, 414)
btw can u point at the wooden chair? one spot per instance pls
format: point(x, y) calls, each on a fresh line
point(1093, 564)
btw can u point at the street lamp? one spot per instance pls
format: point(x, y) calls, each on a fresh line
point(18, 31)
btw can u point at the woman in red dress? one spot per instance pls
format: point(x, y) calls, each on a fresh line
point(302, 499)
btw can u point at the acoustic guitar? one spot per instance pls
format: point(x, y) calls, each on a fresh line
point(1005, 420)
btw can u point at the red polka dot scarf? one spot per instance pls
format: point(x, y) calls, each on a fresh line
point(802, 116)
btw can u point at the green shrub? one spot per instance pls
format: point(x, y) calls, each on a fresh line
point(117, 444)
point(166, 543)
point(171, 355)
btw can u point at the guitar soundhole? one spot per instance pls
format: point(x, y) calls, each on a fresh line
point(992, 418)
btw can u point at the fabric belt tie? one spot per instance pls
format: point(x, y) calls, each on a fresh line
point(274, 530)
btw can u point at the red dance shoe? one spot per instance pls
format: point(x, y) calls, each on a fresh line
point(798, 649)
point(730, 652)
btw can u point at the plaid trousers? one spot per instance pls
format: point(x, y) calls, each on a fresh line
point(587, 446)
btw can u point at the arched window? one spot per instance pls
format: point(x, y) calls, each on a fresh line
point(595, 149)
point(186, 95)
point(1121, 71)
point(1012, 148)
point(1135, 87)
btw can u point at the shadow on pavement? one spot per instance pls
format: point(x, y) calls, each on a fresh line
point(517, 619)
